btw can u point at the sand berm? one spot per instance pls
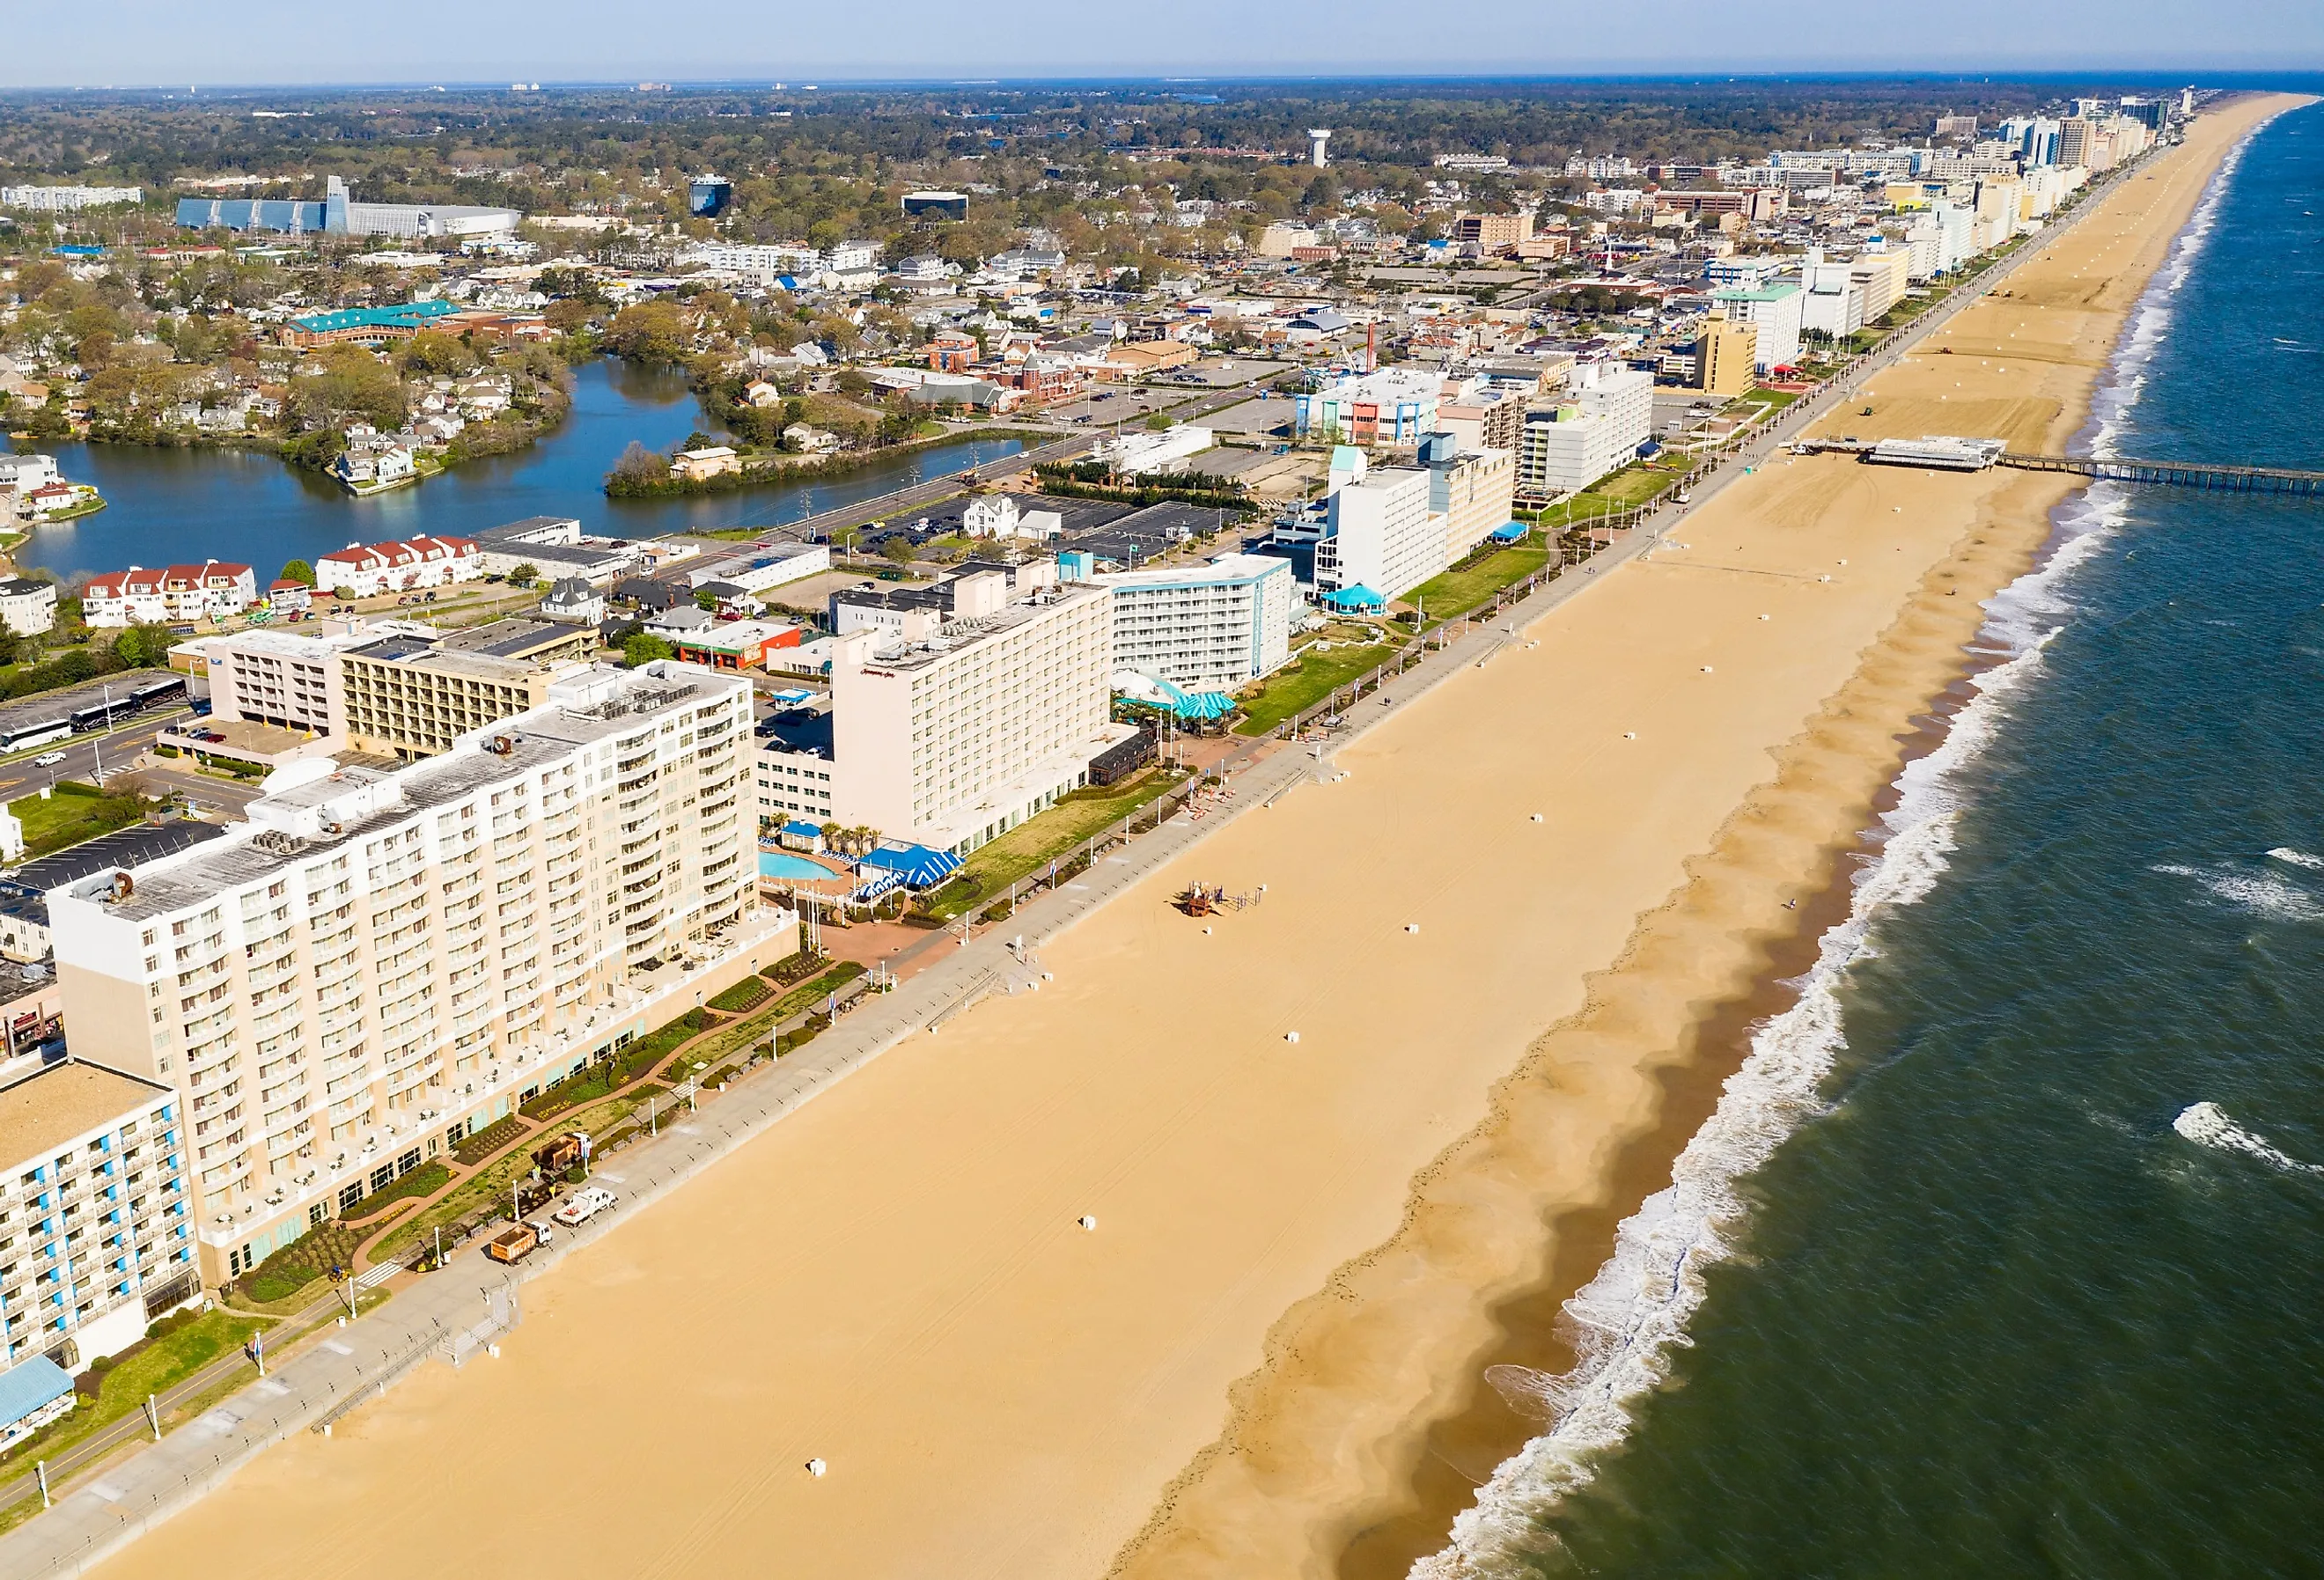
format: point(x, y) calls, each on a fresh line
point(1305, 1239)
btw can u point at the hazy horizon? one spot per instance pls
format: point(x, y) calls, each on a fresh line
point(138, 44)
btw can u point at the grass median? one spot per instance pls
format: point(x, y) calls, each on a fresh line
point(1293, 689)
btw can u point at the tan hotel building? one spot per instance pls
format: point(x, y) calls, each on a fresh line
point(376, 965)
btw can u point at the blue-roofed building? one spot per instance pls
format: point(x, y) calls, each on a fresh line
point(32, 1395)
point(372, 324)
point(96, 1214)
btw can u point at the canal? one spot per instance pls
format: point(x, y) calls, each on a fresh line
point(171, 506)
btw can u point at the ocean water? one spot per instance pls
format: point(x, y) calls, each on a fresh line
point(2003, 1255)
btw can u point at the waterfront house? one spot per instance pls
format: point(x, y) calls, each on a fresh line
point(371, 464)
point(27, 608)
point(712, 461)
point(216, 589)
point(364, 570)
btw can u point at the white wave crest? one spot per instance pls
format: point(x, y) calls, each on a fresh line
point(2296, 858)
point(2207, 1124)
point(2259, 894)
point(1626, 1321)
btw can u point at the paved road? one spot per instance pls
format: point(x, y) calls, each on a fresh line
point(83, 755)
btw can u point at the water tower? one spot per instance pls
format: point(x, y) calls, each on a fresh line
point(1317, 137)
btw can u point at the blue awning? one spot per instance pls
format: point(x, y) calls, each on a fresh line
point(1359, 597)
point(1181, 703)
point(1513, 533)
point(914, 866)
point(799, 829)
point(30, 1385)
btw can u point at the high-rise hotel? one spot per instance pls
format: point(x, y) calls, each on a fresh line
point(377, 964)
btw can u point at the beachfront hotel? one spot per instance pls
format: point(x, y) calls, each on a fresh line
point(956, 712)
point(96, 1223)
point(379, 963)
point(1212, 627)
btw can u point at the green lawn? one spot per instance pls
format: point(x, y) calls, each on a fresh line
point(1308, 681)
point(72, 813)
point(1034, 844)
point(156, 1368)
point(1456, 592)
point(1626, 489)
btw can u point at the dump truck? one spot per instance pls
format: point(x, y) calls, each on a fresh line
point(517, 1243)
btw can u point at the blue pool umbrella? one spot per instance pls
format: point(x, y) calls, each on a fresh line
point(1357, 599)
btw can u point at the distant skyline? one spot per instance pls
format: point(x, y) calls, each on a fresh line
point(144, 43)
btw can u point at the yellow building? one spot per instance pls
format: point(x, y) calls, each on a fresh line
point(1726, 354)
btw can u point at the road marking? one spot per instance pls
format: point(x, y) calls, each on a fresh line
point(335, 1347)
point(106, 1491)
point(612, 1178)
point(272, 1387)
point(221, 1422)
point(370, 1277)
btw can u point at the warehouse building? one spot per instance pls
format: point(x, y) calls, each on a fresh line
point(339, 215)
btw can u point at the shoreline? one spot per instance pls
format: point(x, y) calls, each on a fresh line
point(1421, 1471)
point(916, 1303)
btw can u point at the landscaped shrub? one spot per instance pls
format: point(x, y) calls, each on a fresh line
point(488, 1140)
point(425, 1180)
point(746, 994)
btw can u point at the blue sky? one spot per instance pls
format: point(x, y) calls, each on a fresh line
point(150, 43)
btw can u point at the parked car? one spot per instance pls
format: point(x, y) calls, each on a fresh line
point(584, 1206)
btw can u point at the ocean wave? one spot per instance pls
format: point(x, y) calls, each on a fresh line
point(2260, 894)
point(1628, 1320)
point(2150, 318)
point(2296, 858)
point(2207, 1124)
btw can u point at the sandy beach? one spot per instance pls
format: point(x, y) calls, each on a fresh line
point(1302, 1249)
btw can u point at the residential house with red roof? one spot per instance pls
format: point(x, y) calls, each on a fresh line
point(214, 589)
point(363, 570)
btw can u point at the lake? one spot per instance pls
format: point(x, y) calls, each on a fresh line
point(172, 505)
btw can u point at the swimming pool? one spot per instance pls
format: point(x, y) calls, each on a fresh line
point(775, 864)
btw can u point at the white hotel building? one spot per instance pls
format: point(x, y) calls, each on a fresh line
point(378, 964)
point(957, 728)
point(1210, 627)
point(1380, 534)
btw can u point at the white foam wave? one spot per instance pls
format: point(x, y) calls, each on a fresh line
point(1629, 1318)
point(2207, 1124)
point(2261, 894)
point(2296, 858)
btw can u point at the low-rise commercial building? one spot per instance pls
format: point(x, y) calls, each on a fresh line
point(96, 1218)
point(1393, 406)
point(1210, 627)
point(376, 964)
